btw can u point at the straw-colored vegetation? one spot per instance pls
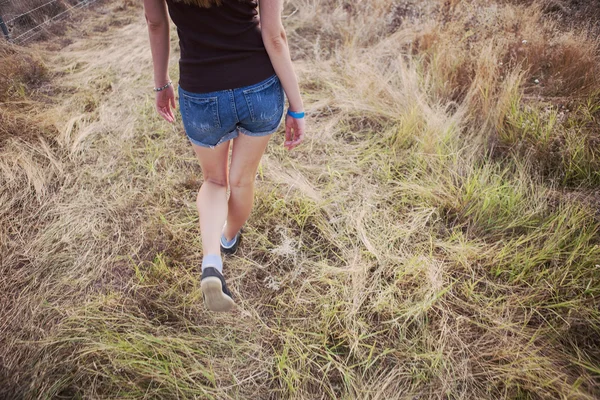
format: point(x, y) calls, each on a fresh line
point(33, 20)
point(436, 237)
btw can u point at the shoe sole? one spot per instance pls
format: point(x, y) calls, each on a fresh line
point(214, 298)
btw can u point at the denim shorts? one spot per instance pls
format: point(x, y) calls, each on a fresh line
point(213, 118)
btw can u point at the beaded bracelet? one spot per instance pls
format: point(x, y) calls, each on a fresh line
point(297, 115)
point(160, 89)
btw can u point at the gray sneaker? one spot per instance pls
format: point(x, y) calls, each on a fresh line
point(231, 248)
point(217, 296)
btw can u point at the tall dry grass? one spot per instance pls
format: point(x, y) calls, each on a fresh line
point(41, 19)
point(436, 237)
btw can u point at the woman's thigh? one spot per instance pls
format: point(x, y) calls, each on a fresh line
point(245, 158)
point(213, 162)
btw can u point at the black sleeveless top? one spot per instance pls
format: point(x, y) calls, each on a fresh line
point(221, 46)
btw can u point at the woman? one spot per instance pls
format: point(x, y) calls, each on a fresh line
point(234, 70)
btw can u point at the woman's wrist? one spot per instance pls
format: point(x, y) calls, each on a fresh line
point(296, 107)
point(295, 114)
point(163, 87)
point(161, 82)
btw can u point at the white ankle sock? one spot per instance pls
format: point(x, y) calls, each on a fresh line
point(213, 260)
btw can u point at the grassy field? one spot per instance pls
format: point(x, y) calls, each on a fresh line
point(436, 237)
point(33, 20)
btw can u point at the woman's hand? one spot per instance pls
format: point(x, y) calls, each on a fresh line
point(165, 99)
point(294, 131)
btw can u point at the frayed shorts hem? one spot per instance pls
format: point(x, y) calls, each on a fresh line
point(258, 134)
point(232, 135)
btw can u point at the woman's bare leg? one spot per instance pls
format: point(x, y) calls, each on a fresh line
point(245, 158)
point(212, 196)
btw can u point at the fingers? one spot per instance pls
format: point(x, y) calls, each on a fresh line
point(293, 144)
point(289, 137)
point(170, 116)
point(290, 144)
point(294, 134)
point(170, 113)
point(288, 129)
point(165, 104)
point(289, 134)
point(166, 113)
point(171, 105)
point(299, 139)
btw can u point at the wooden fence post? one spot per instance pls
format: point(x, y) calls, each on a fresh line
point(4, 28)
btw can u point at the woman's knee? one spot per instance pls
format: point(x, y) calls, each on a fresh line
point(241, 180)
point(216, 180)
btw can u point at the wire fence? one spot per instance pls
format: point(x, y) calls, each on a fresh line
point(30, 11)
point(31, 33)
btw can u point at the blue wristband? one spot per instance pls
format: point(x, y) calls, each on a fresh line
point(297, 115)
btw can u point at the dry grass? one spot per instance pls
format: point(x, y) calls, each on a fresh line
point(32, 20)
point(436, 237)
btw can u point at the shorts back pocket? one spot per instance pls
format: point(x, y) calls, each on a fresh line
point(264, 101)
point(202, 113)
